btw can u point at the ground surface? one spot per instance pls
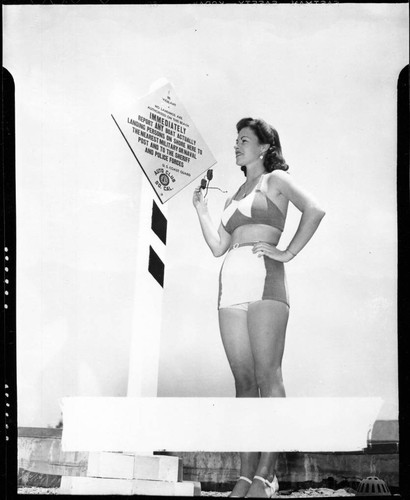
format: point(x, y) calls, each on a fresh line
point(308, 493)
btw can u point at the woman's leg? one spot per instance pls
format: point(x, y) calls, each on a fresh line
point(267, 321)
point(234, 332)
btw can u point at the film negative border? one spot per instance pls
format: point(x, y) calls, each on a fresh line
point(9, 284)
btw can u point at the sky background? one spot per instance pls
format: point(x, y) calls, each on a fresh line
point(324, 75)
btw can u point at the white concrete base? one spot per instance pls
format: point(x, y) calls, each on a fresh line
point(218, 424)
point(71, 485)
point(133, 466)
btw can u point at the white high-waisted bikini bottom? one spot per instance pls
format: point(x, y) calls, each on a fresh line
point(245, 277)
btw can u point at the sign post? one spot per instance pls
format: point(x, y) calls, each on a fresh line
point(171, 153)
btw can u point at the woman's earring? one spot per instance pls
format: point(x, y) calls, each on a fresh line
point(261, 157)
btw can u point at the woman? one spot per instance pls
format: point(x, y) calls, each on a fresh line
point(253, 296)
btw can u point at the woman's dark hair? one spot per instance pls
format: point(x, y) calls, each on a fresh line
point(266, 134)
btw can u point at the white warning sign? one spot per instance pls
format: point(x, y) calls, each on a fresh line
point(165, 141)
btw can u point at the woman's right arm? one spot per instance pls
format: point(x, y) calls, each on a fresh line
point(217, 240)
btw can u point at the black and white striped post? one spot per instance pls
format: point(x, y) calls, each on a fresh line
point(148, 298)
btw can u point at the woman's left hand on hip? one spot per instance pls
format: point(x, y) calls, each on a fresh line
point(265, 249)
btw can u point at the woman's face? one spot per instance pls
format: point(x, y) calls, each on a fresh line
point(247, 147)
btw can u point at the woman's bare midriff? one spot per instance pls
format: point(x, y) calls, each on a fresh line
point(256, 232)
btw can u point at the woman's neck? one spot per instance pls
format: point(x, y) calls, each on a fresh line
point(253, 172)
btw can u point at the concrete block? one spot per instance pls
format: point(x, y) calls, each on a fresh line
point(158, 468)
point(133, 466)
point(110, 465)
point(71, 485)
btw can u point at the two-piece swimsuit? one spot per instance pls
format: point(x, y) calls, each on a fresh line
point(245, 277)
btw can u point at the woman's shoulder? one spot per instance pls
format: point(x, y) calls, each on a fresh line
point(277, 177)
point(278, 173)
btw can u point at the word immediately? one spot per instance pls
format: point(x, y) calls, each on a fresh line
point(167, 123)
